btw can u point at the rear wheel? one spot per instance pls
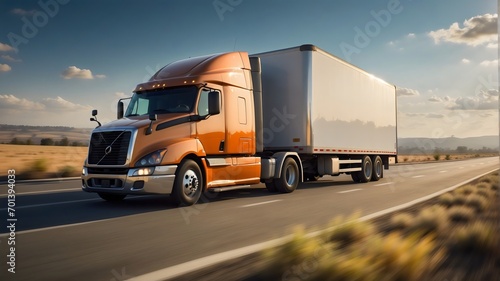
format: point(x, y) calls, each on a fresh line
point(289, 178)
point(366, 172)
point(378, 169)
point(188, 183)
point(111, 197)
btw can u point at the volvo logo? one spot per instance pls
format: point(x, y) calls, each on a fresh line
point(108, 150)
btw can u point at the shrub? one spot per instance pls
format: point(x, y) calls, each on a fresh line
point(446, 199)
point(437, 156)
point(460, 213)
point(479, 203)
point(39, 165)
point(478, 237)
point(483, 185)
point(391, 257)
point(401, 221)
point(459, 199)
point(349, 230)
point(466, 189)
point(486, 193)
point(430, 220)
point(447, 157)
point(67, 171)
point(298, 253)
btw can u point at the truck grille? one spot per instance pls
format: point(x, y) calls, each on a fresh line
point(109, 148)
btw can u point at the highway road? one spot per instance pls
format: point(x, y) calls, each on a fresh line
point(63, 233)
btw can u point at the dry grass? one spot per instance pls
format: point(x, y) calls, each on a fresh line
point(466, 189)
point(403, 158)
point(460, 213)
point(430, 220)
point(55, 158)
point(446, 199)
point(350, 230)
point(477, 202)
point(401, 221)
point(478, 237)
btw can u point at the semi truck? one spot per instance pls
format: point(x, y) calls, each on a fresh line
point(231, 120)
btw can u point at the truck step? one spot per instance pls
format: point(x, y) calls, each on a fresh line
point(227, 188)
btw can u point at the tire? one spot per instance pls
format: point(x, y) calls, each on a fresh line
point(289, 177)
point(188, 183)
point(111, 197)
point(366, 172)
point(378, 168)
point(271, 186)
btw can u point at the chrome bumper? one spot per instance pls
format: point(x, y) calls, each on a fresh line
point(160, 181)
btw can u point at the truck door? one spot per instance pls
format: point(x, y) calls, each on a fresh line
point(211, 132)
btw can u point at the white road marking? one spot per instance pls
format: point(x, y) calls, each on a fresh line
point(419, 176)
point(44, 191)
point(382, 184)
point(350, 190)
point(443, 171)
point(460, 168)
point(52, 204)
point(260, 203)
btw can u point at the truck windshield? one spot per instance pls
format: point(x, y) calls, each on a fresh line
point(172, 100)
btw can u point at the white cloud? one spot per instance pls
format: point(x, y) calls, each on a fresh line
point(77, 73)
point(434, 115)
point(9, 58)
point(5, 68)
point(487, 63)
point(5, 47)
point(121, 95)
point(405, 92)
point(435, 99)
point(60, 104)
point(411, 35)
point(13, 102)
point(478, 30)
point(465, 61)
point(484, 101)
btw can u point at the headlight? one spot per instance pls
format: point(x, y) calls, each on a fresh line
point(144, 171)
point(151, 159)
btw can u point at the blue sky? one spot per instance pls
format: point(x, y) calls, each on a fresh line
point(61, 58)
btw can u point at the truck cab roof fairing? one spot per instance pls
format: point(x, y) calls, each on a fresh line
point(228, 68)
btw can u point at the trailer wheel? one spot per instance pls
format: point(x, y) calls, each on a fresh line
point(378, 169)
point(366, 172)
point(289, 178)
point(111, 197)
point(188, 183)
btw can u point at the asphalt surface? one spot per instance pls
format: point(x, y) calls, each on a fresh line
point(63, 233)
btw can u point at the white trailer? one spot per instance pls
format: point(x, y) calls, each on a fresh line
point(336, 116)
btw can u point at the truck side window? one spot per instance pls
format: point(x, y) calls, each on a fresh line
point(203, 103)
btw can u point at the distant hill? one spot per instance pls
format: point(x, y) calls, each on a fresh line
point(451, 143)
point(36, 133)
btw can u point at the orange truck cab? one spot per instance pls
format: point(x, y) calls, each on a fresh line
point(202, 124)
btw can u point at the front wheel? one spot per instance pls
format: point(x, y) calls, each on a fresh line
point(289, 178)
point(188, 183)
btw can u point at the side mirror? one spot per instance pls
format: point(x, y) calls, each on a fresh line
point(94, 113)
point(152, 117)
point(213, 103)
point(119, 110)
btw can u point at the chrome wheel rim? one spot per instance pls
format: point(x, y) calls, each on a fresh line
point(190, 183)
